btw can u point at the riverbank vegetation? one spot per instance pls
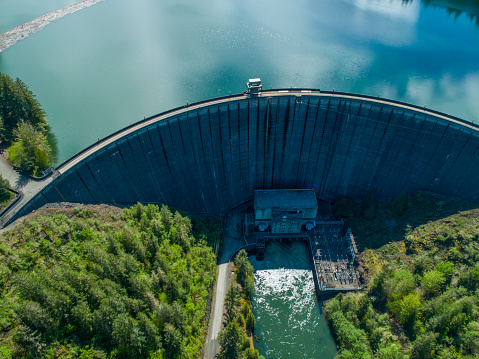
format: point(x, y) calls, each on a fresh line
point(101, 282)
point(421, 293)
point(23, 127)
point(236, 338)
point(5, 194)
point(209, 229)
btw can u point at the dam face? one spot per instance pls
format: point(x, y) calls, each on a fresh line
point(211, 156)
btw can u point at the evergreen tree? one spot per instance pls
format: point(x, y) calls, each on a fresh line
point(245, 268)
point(250, 321)
point(17, 103)
point(94, 283)
point(231, 302)
point(230, 339)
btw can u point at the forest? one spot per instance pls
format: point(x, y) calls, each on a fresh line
point(23, 127)
point(420, 262)
point(104, 282)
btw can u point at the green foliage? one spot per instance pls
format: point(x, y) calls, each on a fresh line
point(250, 321)
point(446, 268)
point(230, 340)
point(4, 186)
point(400, 284)
point(23, 120)
point(433, 282)
point(104, 286)
point(210, 230)
point(244, 274)
point(251, 353)
point(408, 309)
point(17, 103)
point(422, 298)
point(31, 148)
point(245, 309)
point(236, 336)
point(5, 193)
point(352, 340)
point(232, 301)
point(424, 346)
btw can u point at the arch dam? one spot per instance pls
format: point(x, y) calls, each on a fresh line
point(210, 156)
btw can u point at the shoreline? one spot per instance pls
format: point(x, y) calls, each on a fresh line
point(21, 32)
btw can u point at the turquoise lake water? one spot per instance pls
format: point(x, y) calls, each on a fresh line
point(114, 63)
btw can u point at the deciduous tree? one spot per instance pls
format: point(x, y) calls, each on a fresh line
point(33, 148)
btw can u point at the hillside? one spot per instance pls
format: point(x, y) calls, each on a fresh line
point(101, 282)
point(421, 298)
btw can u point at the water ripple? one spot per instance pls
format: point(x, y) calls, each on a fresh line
point(289, 322)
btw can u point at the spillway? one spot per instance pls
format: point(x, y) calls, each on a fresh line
point(211, 156)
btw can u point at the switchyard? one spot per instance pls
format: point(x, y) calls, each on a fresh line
point(333, 255)
point(297, 215)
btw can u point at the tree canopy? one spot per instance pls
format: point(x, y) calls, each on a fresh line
point(23, 126)
point(33, 147)
point(235, 338)
point(18, 103)
point(103, 284)
point(421, 299)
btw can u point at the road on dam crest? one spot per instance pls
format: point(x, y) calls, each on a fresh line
point(210, 156)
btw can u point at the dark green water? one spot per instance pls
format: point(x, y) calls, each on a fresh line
point(289, 320)
point(111, 64)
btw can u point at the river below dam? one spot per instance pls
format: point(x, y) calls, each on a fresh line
point(289, 319)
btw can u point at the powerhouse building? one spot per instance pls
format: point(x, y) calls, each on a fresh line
point(285, 211)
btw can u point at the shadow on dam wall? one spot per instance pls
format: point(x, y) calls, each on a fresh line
point(211, 156)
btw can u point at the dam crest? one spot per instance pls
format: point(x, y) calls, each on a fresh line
point(211, 156)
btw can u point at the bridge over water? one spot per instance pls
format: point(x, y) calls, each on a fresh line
point(210, 156)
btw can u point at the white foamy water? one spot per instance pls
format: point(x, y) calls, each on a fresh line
point(289, 321)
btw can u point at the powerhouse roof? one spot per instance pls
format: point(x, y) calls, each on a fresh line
point(286, 199)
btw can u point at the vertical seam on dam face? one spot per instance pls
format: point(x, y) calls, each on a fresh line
point(380, 150)
point(321, 148)
point(371, 141)
point(315, 158)
point(412, 147)
point(302, 145)
point(212, 154)
point(211, 157)
point(150, 157)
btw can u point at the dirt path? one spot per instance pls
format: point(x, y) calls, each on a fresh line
point(19, 33)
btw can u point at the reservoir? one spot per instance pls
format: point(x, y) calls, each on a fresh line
point(112, 64)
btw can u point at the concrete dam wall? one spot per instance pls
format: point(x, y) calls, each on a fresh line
point(210, 157)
